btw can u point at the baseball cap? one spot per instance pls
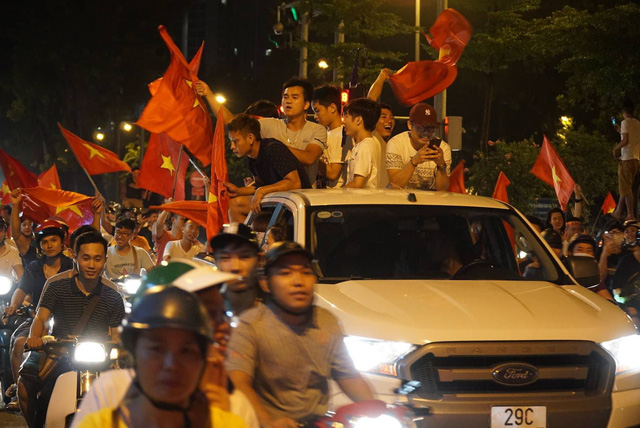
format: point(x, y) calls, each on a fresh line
point(423, 114)
point(233, 232)
point(630, 223)
point(284, 248)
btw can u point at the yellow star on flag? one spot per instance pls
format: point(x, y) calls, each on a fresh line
point(167, 163)
point(53, 186)
point(5, 189)
point(212, 198)
point(556, 179)
point(196, 103)
point(72, 208)
point(92, 151)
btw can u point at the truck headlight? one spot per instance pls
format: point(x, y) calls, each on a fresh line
point(131, 285)
point(625, 351)
point(382, 421)
point(376, 356)
point(5, 285)
point(90, 352)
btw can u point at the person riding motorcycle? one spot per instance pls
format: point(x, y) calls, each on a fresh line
point(205, 282)
point(168, 334)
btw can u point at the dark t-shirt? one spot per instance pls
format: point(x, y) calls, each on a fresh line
point(628, 269)
point(67, 304)
point(274, 162)
point(30, 255)
point(33, 278)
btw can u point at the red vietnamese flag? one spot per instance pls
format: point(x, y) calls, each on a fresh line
point(417, 81)
point(218, 208)
point(609, 204)
point(550, 169)
point(76, 215)
point(50, 178)
point(16, 174)
point(40, 203)
point(451, 32)
point(160, 166)
point(6, 193)
point(175, 109)
point(456, 179)
point(500, 191)
point(194, 66)
point(93, 158)
point(193, 210)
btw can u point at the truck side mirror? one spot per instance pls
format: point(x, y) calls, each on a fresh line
point(584, 269)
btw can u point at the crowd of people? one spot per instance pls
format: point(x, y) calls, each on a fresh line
point(188, 369)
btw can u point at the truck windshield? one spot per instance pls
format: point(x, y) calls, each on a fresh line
point(425, 242)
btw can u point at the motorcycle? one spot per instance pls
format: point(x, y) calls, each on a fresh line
point(364, 414)
point(8, 325)
point(87, 359)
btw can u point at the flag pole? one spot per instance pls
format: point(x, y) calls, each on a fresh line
point(175, 179)
point(93, 183)
point(206, 187)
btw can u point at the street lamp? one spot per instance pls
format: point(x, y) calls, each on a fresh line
point(221, 98)
point(323, 64)
point(98, 135)
point(126, 126)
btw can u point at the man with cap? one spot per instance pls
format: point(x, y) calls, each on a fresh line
point(283, 353)
point(235, 251)
point(417, 159)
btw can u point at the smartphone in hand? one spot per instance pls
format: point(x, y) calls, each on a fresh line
point(613, 120)
point(434, 142)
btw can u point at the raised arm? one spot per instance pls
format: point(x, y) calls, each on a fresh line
point(376, 88)
point(203, 90)
point(22, 242)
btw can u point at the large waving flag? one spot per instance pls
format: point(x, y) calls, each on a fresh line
point(40, 203)
point(6, 193)
point(50, 178)
point(193, 210)
point(218, 207)
point(500, 191)
point(456, 179)
point(175, 109)
point(162, 166)
point(550, 169)
point(420, 80)
point(15, 173)
point(92, 158)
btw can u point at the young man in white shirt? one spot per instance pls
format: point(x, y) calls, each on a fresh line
point(187, 247)
point(327, 112)
point(417, 159)
point(360, 118)
point(124, 258)
point(627, 152)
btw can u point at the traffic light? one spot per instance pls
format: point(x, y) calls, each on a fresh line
point(453, 132)
point(344, 97)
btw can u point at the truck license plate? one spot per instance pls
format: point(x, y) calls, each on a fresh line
point(515, 417)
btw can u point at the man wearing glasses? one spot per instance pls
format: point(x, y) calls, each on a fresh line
point(417, 159)
point(124, 258)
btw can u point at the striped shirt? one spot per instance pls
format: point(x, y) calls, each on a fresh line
point(290, 365)
point(67, 304)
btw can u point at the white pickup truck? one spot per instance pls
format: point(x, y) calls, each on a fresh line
point(439, 316)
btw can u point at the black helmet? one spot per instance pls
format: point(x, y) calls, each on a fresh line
point(234, 232)
point(582, 239)
point(552, 237)
point(283, 248)
point(167, 307)
point(48, 228)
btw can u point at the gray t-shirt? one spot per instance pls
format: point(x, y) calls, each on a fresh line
point(290, 366)
point(311, 133)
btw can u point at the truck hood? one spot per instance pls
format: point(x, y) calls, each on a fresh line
point(423, 311)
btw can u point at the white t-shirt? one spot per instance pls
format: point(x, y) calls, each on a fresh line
point(174, 250)
point(399, 153)
point(336, 152)
point(365, 161)
point(9, 257)
point(110, 388)
point(383, 176)
point(311, 133)
point(632, 128)
point(118, 265)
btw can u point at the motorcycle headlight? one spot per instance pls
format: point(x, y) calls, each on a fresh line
point(382, 421)
point(625, 351)
point(5, 285)
point(376, 356)
point(131, 285)
point(90, 352)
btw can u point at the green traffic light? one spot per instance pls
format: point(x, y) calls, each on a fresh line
point(294, 13)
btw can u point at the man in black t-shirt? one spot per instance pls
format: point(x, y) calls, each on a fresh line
point(274, 167)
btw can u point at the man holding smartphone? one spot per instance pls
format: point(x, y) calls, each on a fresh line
point(417, 159)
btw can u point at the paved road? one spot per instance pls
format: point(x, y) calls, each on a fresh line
point(11, 420)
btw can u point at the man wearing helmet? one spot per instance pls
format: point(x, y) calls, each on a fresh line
point(283, 353)
point(235, 251)
point(66, 300)
point(168, 333)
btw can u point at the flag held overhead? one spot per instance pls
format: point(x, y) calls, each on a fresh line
point(92, 158)
point(550, 169)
